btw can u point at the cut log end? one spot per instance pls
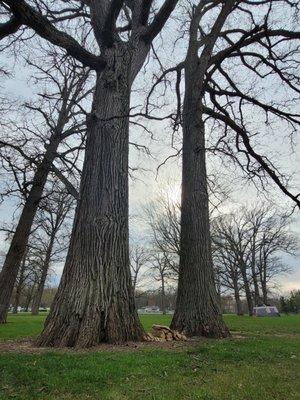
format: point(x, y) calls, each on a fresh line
point(160, 333)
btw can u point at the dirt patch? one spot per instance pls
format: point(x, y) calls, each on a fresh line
point(288, 334)
point(27, 346)
point(235, 336)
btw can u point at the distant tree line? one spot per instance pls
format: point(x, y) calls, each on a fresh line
point(290, 304)
point(248, 248)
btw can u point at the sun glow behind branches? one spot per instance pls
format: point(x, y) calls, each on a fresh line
point(173, 194)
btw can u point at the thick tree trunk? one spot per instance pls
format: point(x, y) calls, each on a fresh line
point(19, 241)
point(95, 299)
point(197, 308)
point(41, 284)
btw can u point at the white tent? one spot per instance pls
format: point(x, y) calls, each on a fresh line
point(265, 311)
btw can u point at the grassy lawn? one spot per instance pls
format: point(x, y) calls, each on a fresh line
point(24, 325)
point(262, 365)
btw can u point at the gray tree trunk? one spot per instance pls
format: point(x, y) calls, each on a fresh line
point(163, 295)
point(247, 290)
point(239, 309)
point(29, 298)
point(254, 275)
point(263, 282)
point(264, 289)
point(36, 302)
point(19, 286)
point(197, 308)
point(95, 299)
point(265, 294)
point(256, 290)
point(20, 238)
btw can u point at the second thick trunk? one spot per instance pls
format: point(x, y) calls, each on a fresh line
point(197, 308)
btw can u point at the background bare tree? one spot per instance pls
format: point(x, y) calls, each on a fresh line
point(53, 234)
point(139, 258)
point(29, 155)
point(162, 271)
point(163, 219)
point(248, 250)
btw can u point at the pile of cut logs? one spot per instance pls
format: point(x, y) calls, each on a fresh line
point(160, 333)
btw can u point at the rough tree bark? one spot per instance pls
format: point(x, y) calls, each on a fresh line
point(197, 309)
point(19, 241)
point(95, 300)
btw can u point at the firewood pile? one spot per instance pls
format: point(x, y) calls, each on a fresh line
point(160, 333)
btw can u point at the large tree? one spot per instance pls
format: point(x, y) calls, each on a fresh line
point(197, 309)
point(238, 51)
point(95, 300)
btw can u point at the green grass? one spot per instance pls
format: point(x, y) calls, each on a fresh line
point(262, 365)
point(267, 325)
point(22, 325)
point(25, 325)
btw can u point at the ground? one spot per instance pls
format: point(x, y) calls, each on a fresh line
point(260, 361)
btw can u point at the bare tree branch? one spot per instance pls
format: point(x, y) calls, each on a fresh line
point(9, 27)
point(28, 16)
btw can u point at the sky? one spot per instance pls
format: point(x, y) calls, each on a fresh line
point(148, 182)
